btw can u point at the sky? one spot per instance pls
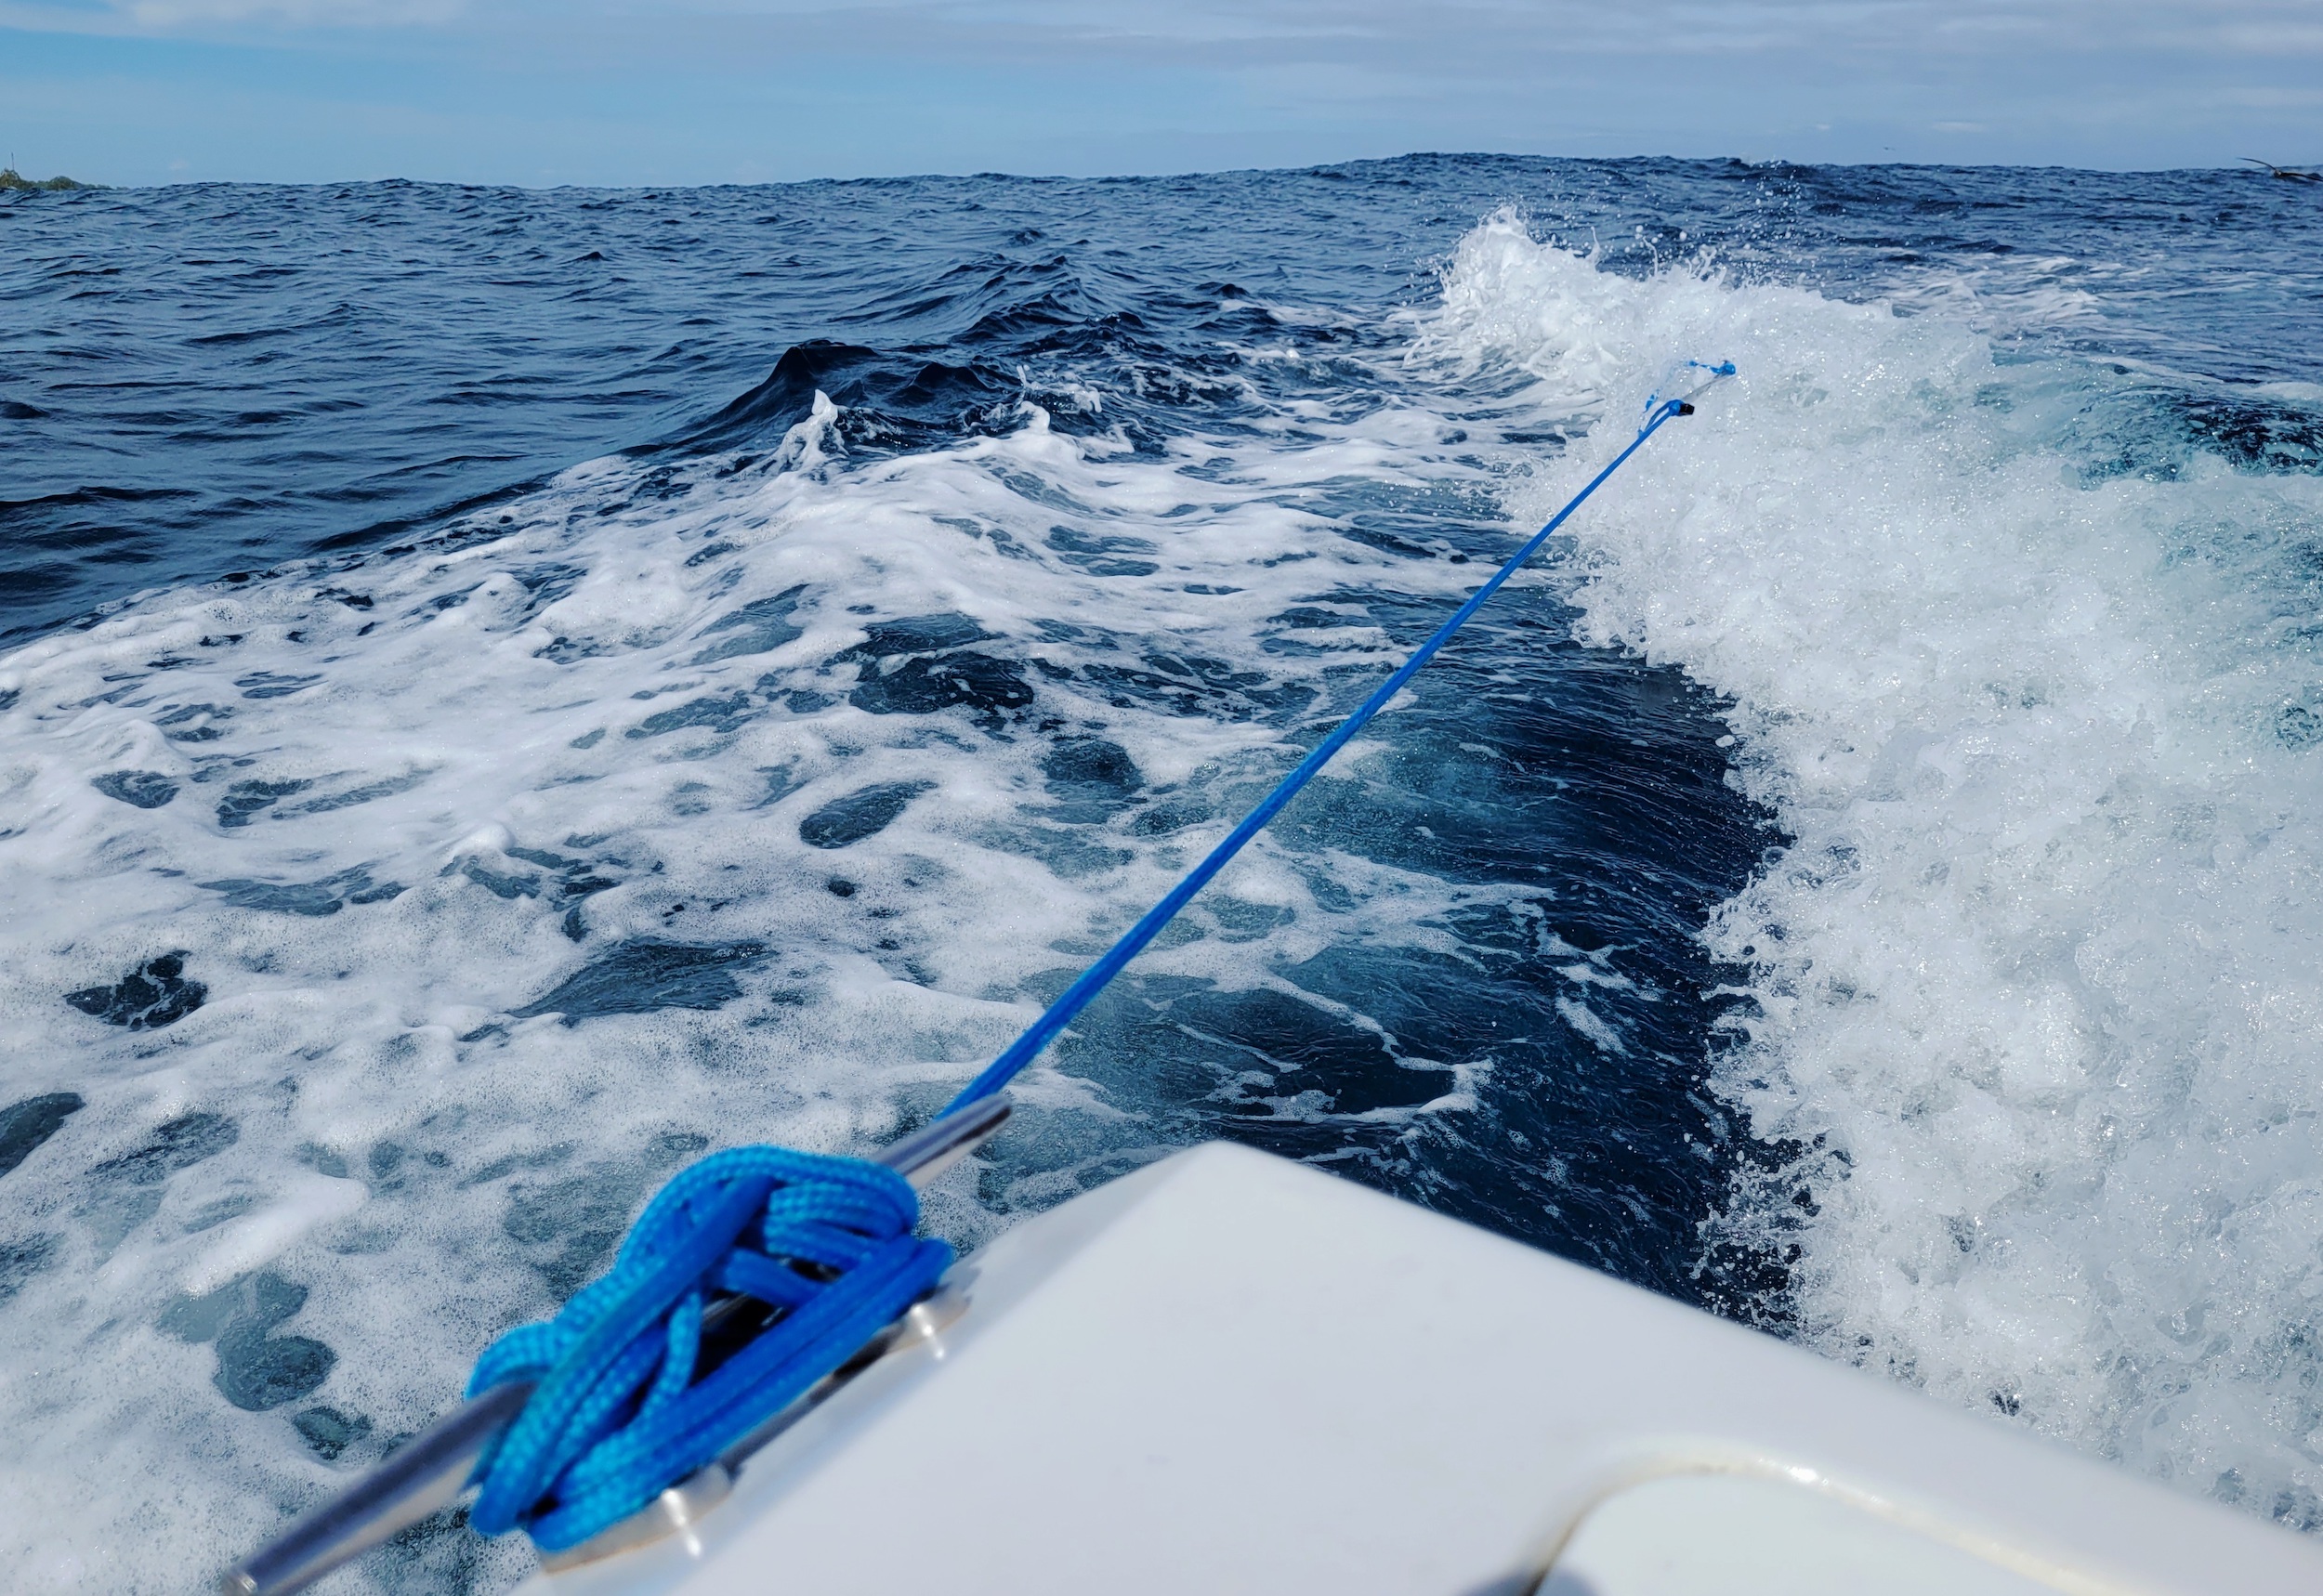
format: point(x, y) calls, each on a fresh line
point(630, 92)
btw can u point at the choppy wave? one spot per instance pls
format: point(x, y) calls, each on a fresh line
point(412, 914)
point(390, 920)
point(2036, 690)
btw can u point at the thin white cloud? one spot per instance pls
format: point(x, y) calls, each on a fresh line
point(1325, 29)
point(179, 17)
point(725, 86)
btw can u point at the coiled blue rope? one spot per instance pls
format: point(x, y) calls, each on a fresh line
point(618, 1413)
point(620, 1410)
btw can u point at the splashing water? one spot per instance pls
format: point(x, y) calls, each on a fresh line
point(2036, 1004)
point(1860, 885)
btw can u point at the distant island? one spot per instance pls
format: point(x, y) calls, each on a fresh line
point(10, 179)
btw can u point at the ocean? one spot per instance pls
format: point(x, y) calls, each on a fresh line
point(506, 690)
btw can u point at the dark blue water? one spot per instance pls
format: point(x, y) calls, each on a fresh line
point(1477, 975)
point(215, 377)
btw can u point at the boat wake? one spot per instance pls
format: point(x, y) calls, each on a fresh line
point(2033, 684)
point(1861, 882)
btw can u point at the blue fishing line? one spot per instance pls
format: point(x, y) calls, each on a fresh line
point(1026, 1048)
point(623, 1407)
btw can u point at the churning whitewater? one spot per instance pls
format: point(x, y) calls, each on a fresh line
point(1862, 881)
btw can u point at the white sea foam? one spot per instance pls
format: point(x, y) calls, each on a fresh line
point(2036, 969)
point(2038, 989)
point(416, 796)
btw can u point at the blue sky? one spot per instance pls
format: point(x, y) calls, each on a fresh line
point(697, 91)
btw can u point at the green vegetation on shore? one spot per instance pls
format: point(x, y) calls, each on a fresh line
point(10, 179)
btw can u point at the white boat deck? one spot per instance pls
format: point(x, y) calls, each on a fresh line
point(1229, 1373)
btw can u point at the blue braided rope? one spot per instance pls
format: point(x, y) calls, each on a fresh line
point(619, 1411)
point(1028, 1047)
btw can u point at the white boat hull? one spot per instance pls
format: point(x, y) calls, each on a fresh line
point(1230, 1373)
